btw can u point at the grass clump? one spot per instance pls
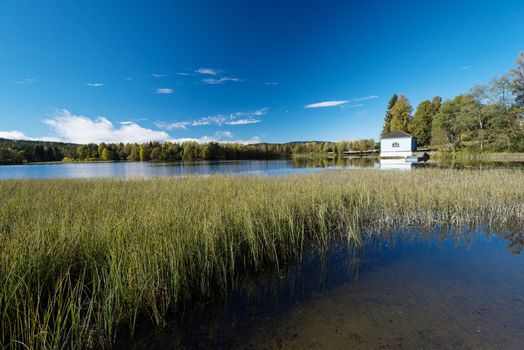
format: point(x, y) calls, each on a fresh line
point(81, 260)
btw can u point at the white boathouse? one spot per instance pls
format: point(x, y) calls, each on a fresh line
point(397, 144)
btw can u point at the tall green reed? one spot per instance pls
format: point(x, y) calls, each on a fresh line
point(82, 260)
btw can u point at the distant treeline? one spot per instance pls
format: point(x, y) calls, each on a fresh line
point(487, 118)
point(334, 147)
point(22, 151)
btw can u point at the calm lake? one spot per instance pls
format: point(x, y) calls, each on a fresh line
point(408, 290)
point(240, 167)
point(151, 169)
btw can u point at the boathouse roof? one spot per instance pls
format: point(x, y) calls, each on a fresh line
point(397, 134)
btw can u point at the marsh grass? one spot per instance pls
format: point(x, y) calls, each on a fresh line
point(82, 260)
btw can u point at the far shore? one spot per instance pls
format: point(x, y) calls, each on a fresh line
point(435, 157)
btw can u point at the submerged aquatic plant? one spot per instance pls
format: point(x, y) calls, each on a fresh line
point(82, 259)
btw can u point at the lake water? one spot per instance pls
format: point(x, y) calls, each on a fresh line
point(151, 169)
point(240, 167)
point(405, 291)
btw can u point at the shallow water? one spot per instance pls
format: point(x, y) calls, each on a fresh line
point(153, 169)
point(416, 291)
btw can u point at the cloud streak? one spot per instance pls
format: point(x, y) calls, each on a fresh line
point(164, 91)
point(357, 105)
point(217, 138)
point(326, 104)
point(208, 71)
point(365, 98)
point(216, 81)
point(94, 84)
point(25, 81)
point(343, 103)
point(238, 118)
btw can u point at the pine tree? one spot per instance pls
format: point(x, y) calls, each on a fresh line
point(387, 119)
point(401, 114)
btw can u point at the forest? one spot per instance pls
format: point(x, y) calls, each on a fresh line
point(488, 118)
point(23, 151)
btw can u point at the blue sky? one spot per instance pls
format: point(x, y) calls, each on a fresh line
point(91, 71)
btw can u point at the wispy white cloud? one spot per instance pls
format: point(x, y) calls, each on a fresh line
point(365, 98)
point(172, 125)
point(352, 106)
point(221, 80)
point(94, 84)
point(216, 76)
point(209, 71)
point(238, 118)
point(343, 103)
point(81, 129)
point(271, 83)
point(243, 121)
point(224, 134)
point(217, 138)
point(25, 81)
point(185, 74)
point(164, 91)
point(159, 75)
point(326, 104)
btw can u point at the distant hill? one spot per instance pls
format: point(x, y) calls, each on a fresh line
point(294, 142)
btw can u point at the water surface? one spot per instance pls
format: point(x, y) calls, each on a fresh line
point(239, 167)
point(153, 169)
point(406, 291)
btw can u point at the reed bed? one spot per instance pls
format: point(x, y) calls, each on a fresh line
point(82, 260)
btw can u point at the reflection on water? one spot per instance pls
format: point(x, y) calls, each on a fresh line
point(151, 169)
point(406, 290)
point(351, 163)
point(241, 167)
point(398, 164)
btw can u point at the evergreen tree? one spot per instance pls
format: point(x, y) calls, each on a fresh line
point(401, 114)
point(387, 119)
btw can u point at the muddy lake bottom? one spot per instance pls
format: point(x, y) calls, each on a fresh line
point(407, 291)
